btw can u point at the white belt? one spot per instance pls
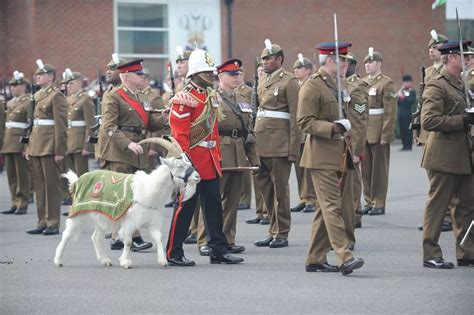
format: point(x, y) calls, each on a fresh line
point(207, 144)
point(272, 114)
point(76, 123)
point(43, 122)
point(16, 124)
point(376, 111)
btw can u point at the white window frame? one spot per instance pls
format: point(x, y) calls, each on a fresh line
point(132, 28)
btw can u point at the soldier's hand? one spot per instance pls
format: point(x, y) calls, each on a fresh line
point(416, 140)
point(292, 158)
point(85, 152)
point(337, 128)
point(382, 142)
point(356, 159)
point(58, 158)
point(135, 148)
point(468, 118)
point(27, 156)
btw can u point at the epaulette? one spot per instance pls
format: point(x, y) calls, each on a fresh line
point(315, 75)
point(185, 98)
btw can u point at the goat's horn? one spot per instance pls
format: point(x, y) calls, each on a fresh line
point(169, 146)
point(176, 143)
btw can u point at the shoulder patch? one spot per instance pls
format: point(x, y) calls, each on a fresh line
point(183, 98)
point(315, 75)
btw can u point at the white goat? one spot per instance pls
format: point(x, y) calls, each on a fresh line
point(150, 193)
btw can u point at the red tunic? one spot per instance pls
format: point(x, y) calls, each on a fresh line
point(185, 109)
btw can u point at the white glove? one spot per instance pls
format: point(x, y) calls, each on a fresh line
point(345, 123)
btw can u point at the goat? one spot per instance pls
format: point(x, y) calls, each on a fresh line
point(149, 193)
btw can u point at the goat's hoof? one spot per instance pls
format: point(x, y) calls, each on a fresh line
point(163, 262)
point(106, 262)
point(58, 262)
point(126, 263)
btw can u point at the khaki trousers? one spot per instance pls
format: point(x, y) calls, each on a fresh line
point(246, 197)
point(48, 190)
point(375, 166)
point(305, 184)
point(18, 176)
point(78, 163)
point(273, 180)
point(328, 226)
point(348, 205)
point(357, 187)
point(261, 210)
point(443, 187)
point(230, 194)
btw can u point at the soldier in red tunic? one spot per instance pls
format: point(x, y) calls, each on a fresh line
point(193, 122)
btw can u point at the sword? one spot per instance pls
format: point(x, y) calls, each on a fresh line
point(469, 108)
point(338, 78)
point(241, 168)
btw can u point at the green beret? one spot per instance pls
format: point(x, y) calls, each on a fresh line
point(112, 64)
point(436, 39)
point(470, 51)
point(184, 56)
point(306, 63)
point(18, 79)
point(47, 68)
point(376, 56)
point(350, 56)
point(67, 78)
point(267, 53)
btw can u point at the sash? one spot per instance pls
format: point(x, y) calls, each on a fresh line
point(204, 124)
point(136, 106)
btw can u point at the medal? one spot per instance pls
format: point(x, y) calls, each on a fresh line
point(345, 96)
point(275, 93)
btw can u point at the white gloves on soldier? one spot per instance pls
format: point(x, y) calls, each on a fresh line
point(345, 123)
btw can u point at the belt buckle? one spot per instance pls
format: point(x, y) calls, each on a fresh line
point(261, 113)
point(234, 134)
point(210, 144)
point(35, 122)
point(69, 124)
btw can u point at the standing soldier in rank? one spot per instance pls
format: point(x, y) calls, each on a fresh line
point(278, 142)
point(319, 116)
point(382, 104)
point(19, 110)
point(80, 119)
point(447, 157)
point(303, 68)
point(46, 149)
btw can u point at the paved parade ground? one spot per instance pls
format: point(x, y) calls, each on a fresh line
point(270, 281)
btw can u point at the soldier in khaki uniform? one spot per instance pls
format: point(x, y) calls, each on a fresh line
point(46, 149)
point(447, 159)
point(19, 109)
point(303, 68)
point(125, 123)
point(80, 119)
point(278, 142)
point(382, 103)
point(318, 116)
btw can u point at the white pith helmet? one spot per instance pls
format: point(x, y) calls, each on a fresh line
point(200, 61)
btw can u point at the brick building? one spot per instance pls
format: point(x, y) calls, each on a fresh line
point(82, 34)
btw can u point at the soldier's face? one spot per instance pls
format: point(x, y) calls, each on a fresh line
point(74, 86)
point(229, 81)
point(302, 73)
point(469, 61)
point(182, 67)
point(260, 71)
point(18, 90)
point(435, 54)
point(44, 79)
point(372, 66)
point(271, 64)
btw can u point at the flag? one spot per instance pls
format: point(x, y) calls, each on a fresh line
point(438, 3)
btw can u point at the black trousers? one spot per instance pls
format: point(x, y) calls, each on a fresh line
point(211, 207)
point(405, 133)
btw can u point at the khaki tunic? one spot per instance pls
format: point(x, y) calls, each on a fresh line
point(81, 108)
point(323, 152)
point(99, 147)
point(450, 174)
point(2, 123)
point(18, 170)
point(118, 113)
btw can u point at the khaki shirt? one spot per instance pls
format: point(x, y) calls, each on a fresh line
point(278, 137)
point(317, 111)
point(235, 152)
point(51, 104)
point(447, 148)
point(18, 110)
point(382, 96)
point(81, 108)
point(118, 113)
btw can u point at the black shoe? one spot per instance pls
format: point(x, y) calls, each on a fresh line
point(191, 239)
point(243, 206)
point(169, 204)
point(11, 211)
point(138, 244)
point(38, 230)
point(298, 207)
point(235, 249)
point(324, 267)
point(366, 209)
point(181, 262)
point(351, 265)
point(51, 231)
point(254, 220)
point(446, 227)
point(66, 213)
point(21, 211)
point(116, 244)
point(204, 250)
point(264, 243)
point(225, 259)
point(279, 242)
point(420, 227)
point(377, 211)
point(308, 209)
point(358, 225)
point(67, 202)
point(438, 263)
point(466, 262)
point(265, 221)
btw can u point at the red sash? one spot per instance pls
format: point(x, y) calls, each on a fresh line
point(136, 106)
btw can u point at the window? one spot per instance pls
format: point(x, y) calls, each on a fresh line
point(141, 31)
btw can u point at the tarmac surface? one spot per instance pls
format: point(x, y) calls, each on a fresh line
point(270, 281)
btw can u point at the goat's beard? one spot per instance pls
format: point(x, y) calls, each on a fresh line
point(188, 191)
